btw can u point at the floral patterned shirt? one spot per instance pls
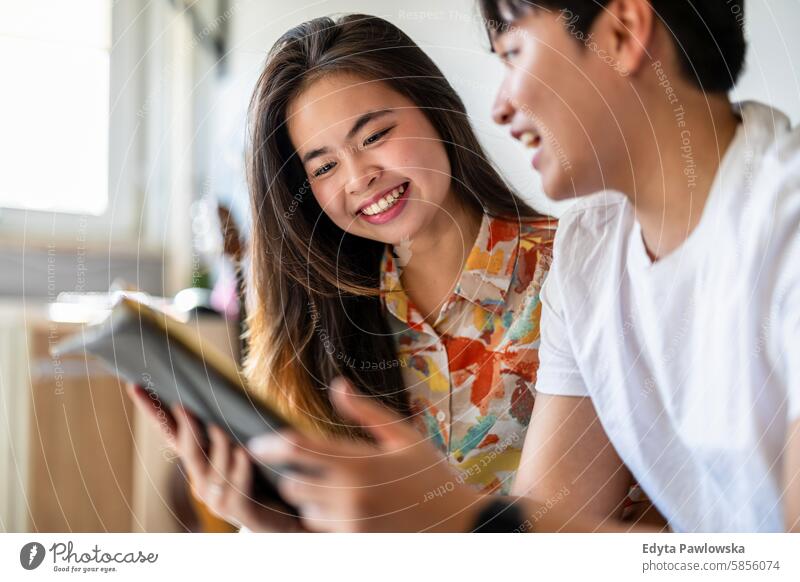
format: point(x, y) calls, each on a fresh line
point(470, 375)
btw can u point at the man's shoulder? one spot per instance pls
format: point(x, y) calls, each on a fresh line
point(587, 254)
point(773, 211)
point(591, 223)
point(781, 164)
point(771, 231)
point(772, 158)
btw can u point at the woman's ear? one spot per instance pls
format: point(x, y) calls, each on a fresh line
point(630, 29)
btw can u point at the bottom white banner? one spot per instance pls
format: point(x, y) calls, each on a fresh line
point(333, 557)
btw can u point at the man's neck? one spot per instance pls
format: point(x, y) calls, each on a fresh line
point(675, 167)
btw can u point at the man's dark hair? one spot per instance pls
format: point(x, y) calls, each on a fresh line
point(708, 34)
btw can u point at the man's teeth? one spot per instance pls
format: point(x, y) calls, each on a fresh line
point(384, 203)
point(530, 139)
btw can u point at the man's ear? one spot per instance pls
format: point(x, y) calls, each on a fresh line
point(628, 26)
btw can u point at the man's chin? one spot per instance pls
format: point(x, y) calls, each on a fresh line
point(563, 187)
point(559, 192)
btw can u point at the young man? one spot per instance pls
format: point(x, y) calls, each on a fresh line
point(675, 305)
point(671, 316)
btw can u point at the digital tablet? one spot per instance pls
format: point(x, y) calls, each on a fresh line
point(168, 358)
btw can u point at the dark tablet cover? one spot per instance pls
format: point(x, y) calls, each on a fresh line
point(149, 348)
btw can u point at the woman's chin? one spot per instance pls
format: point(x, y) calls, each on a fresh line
point(401, 229)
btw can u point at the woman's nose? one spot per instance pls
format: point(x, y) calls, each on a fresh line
point(360, 179)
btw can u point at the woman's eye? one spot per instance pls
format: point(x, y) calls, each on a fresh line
point(376, 136)
point(324, 169)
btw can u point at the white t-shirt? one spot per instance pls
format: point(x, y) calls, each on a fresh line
point(692, 362)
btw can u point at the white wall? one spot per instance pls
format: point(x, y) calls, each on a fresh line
point(772, 71)
point(450, 31)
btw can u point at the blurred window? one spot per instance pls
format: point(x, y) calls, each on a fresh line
point(54, 105)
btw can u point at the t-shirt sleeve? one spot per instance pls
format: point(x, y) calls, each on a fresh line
point(791, 344)
point(558, 371)
point(783, 253)
point(788, 318)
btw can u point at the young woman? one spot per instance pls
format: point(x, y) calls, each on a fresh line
point(386, 250)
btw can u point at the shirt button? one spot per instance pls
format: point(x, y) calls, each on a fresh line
point(440, 416)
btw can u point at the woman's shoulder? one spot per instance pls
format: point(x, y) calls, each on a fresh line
point(537, 232)
point(534, 257)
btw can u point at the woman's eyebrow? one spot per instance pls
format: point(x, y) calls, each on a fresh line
point(365, 119)
point(313, 154)
point(357, 126)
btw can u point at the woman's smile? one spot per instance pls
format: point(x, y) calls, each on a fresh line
point(386, 207)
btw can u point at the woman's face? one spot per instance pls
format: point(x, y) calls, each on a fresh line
point(376, 165)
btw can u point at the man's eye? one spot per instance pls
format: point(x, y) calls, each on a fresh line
point(376, 136)
point(509, 54)
point(324, 169)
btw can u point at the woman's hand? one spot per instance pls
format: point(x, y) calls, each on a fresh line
point(222, 477)
point(400, 484)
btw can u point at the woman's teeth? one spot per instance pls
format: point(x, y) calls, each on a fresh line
point(530, 139)
point(384, 203)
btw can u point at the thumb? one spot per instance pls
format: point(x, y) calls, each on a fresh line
point(386, 425)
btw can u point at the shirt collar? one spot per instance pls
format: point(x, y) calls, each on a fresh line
point(485, 279)
point(490, 264)
point(394, 297)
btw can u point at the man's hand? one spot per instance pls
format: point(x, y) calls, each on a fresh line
point(401, 483)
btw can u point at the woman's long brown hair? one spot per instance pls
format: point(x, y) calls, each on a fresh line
point(315, 310)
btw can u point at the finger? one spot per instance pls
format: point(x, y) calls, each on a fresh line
point(242, 473)
point(284, 455)
point(293, 453)
point(316, 519)
point(188, 446)
point(300, 492)
point(142, 401)
point(219, 457)
point(236, 505)
point(387, 426)
point(316, 511)
point(149, 404)
point(227, 495)
point(239, 503)
point(196, 429)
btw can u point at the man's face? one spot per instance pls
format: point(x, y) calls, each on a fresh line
point(560, 96)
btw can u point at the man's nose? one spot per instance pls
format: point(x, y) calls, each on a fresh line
point(503, 108)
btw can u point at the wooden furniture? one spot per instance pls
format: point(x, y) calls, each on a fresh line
point(77, 456)
point(81, 442)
